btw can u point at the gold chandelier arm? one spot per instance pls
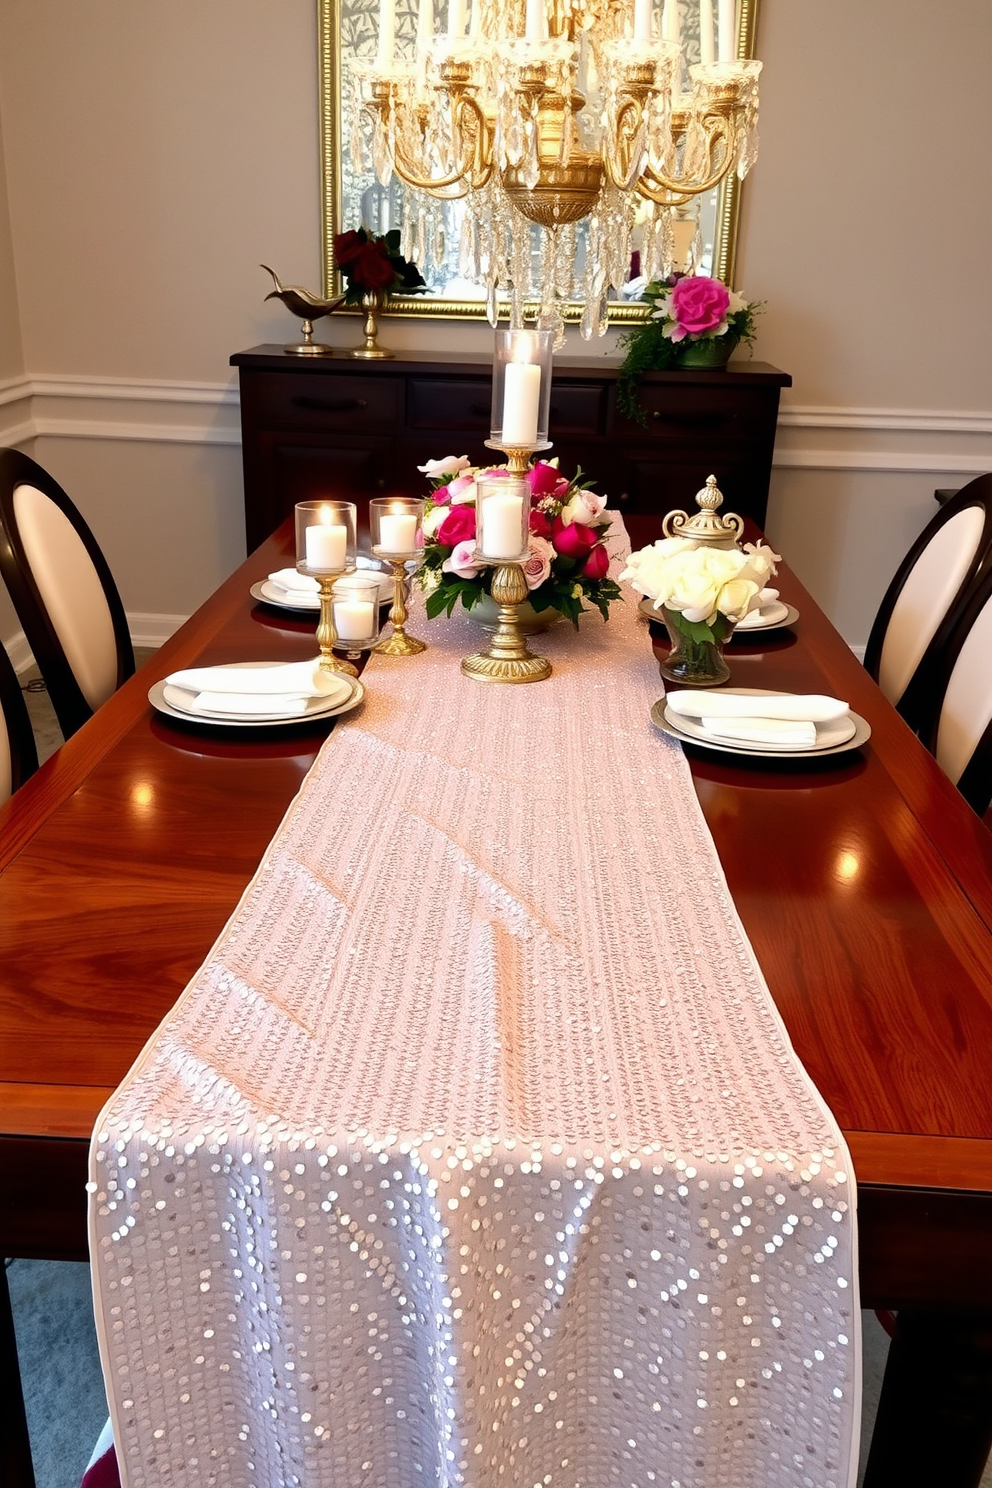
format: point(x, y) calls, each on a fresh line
point(625, 125)
point(472, 170)
point(718, 130)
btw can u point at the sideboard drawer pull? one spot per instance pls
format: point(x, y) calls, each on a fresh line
point(331, 405)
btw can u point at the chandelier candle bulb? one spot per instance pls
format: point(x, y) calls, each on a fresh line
point(642, 20)
point(326, 547)
point(521, 403)
point(534, 26)
point(706, 31)
point(726, 33)
point(398, 532)
point(387, 35)
point(456, 20)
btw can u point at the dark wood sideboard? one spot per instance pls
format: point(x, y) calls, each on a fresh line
point(338, 426)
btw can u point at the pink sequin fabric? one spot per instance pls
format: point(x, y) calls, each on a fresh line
point(476, 1155)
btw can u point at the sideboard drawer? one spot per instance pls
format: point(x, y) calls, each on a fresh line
point(443, 403)
point(303, 401)
point(688, 415)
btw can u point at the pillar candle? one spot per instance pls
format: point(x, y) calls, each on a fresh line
point(398, 532)
point(387, 36)
point(727, 15)
point(502, 526)
point(642, 20)
point(521, 403)
point(354, 619)
point(706, 53)
point(326, 547)
point(534, 23)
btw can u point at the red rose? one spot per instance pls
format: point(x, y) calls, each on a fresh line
point(598, 563)
point(347, 247)
point(372, 268)
point(540, 523)
point(545, 480)
point(573, 540)
point(458, 526)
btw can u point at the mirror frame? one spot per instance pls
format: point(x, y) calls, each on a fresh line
point(621, 312)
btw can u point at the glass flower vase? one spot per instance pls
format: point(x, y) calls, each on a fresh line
point(696, 657)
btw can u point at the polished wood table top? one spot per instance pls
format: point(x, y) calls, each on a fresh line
point(863, 881)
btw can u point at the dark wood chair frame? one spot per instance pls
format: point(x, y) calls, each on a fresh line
point(919, 704)
point(20, 734)
point(975, 782)
point(71, 707)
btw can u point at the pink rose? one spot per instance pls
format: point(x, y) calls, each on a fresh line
point(458, 526)
point(545, 480)
point(460, 560)
point(537, 565)
point(572, 540)
point(598, 563)
point(699, 305)
point(460, 486)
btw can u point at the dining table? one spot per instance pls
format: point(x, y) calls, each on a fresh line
point(862, 880)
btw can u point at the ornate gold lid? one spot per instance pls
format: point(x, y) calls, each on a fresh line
point(706, 526)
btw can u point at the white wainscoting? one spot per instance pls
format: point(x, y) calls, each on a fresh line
point(851, 484)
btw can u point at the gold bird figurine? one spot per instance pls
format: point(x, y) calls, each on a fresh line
point(309, 307)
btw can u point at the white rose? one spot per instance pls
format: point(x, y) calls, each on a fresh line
point(587, 508)
point(450, 465)
point(737, 302)
point(736, 598)
point(433, 520)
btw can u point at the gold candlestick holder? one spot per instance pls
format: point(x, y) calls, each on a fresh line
point(508, 658)
point(327, 636)
point(399, 643)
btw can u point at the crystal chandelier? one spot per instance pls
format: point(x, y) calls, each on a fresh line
point(558, 112)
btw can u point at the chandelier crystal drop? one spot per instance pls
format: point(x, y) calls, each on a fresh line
point(554, 112)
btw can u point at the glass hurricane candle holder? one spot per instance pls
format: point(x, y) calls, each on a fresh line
point(502, 541)
point(356, 611)
point(325, 549)
point(521, 389)
point(503, 519)
point(396, 524)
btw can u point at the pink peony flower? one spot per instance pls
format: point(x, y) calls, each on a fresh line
point(460, 560)
point(545, 479)
point(699, 305)
point(458, 526)
point(537, 566)
point(598, 563)
point(573, 539)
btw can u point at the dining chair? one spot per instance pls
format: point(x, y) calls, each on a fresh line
point(63, 592)
point(923, 604)
point(959, 733)
point(18, 753)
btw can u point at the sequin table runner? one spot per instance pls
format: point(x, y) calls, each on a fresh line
point(476, 1153)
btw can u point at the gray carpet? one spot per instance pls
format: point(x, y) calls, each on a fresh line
point(53, 1316)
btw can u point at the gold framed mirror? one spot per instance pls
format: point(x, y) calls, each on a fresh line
point(349, 198)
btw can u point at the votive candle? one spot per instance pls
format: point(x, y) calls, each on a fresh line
point(397, 532)
point(326, 548)
point(354, 619)
point(502, 522)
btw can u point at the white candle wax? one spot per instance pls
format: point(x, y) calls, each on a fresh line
point(521, 403)
point(387, 35)
point(456, 20)
point(706, 31)
point(398, 532)
point(534, 22)
point(354, 619)
point(642, 20)
point(502, 526)
point(727, 15)
point(425, 23)
point(326, 547)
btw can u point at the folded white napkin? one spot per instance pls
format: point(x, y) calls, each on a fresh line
point(761, 731)
point(797, 707)
point(262, 704)
point(300, 679)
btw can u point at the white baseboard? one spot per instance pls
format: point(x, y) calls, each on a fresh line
point(147, 629)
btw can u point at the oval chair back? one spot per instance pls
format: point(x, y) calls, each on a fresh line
point(923, 603)
point(959, 734)
point(63, 592)
point(18, 753)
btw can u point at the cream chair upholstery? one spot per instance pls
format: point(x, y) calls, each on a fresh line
point(63, 592)
point(960, 734)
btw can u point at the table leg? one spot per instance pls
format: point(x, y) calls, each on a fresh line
point(16, 1470)
point(934, 1422)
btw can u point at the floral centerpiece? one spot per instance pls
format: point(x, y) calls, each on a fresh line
point(567, 560)
point(372, 263)
point(693, 321)
point(701, 592)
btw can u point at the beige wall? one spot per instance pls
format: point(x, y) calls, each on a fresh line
point(156, 154)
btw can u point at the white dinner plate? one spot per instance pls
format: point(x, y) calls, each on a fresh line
point(770, 617)
point(175, 702)
point(268, 593)
point(837, 737)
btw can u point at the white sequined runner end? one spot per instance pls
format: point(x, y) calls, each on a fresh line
point(476, 1153)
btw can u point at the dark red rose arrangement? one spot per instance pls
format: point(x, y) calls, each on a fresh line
point(373, 261)
point(567, 561)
